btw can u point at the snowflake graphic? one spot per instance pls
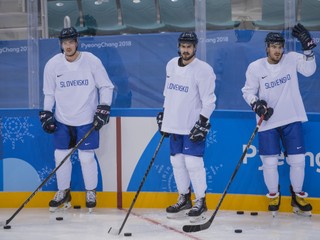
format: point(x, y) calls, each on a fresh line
point(168, 182)
point(44, 173)
point(15, 129)
point(211, 138)
point(74, 157)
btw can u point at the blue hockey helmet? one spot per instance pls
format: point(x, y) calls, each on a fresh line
point(68, 33)
point(274, 37)
point(188, 37)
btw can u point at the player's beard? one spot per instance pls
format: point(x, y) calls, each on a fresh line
point(186, 56)
point(275, 59)
point(70, 53)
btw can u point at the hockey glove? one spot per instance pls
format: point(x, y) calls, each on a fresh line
point(200, 130)
point(268, 114)
point(303, 35)
point(260, 108)
point(159, 122)
point(101, 117)
point(47, 121)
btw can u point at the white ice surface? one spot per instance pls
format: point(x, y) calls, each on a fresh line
point(78, 224)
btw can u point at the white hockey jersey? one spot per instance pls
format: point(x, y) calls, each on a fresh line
point(188, 92)
point(278, 85)
point(75, 87)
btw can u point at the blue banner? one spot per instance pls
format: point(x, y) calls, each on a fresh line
point(226, 141)
point(27, 155)
point(136, 65)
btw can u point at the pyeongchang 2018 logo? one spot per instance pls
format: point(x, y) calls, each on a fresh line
point(314, 159)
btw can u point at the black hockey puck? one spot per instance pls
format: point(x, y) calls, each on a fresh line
point(240, 212)
point(254, 213)
point(76, 206)
point(59, 218)
point(127, 234)
point(7, 227)
point(238, 230)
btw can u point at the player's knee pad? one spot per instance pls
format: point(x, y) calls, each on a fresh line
point(86, 156)
point(60, 154)
point(194, 163)
point(177, 161)
point(297, 160)
point(269, 161)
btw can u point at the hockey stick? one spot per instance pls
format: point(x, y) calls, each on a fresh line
point(118, 231)
point(199, 227)
point(50, 175)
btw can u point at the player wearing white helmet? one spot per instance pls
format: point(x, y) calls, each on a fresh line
point(272, 90)
point(77, 94)
point(188, 104)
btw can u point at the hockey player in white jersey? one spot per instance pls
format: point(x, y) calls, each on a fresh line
point(272, 90)
point(77, 94)
point(189, 101)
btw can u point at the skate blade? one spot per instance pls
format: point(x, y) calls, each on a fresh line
point(197, 219)
point(62, 207)
point(90, 210)
point(274, 213)
point(302, 213)
point(179, 215)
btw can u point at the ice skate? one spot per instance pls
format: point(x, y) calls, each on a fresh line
point(196, 214)
point(179, 210)
point(91, 200)
point(62, 199)
point(299, 204)
point(274, 203)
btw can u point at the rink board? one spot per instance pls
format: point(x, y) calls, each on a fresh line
point(127, 145)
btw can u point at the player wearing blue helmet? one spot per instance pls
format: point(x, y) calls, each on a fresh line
point(272, 90)
point(77, 95)
point(189, 101)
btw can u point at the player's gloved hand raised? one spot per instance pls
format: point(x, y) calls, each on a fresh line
point(303, 35)
point(200, 130)
point(101, 117)
point(47, 121)
point(260, 108)
point(159, 122)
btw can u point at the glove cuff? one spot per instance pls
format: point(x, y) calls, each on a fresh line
point(309, 55)
point(104, 107)
point(203, 119)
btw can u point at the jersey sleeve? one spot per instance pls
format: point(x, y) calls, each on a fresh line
point(206, 85)
point(251, 87)
point(49, 85)
point(304, 66)
point(103, 82)
point(169, 68)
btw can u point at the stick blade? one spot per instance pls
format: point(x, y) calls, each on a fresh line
point(114, 231)
point(196, 228)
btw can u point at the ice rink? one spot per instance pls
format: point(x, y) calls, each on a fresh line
point(78, 224)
